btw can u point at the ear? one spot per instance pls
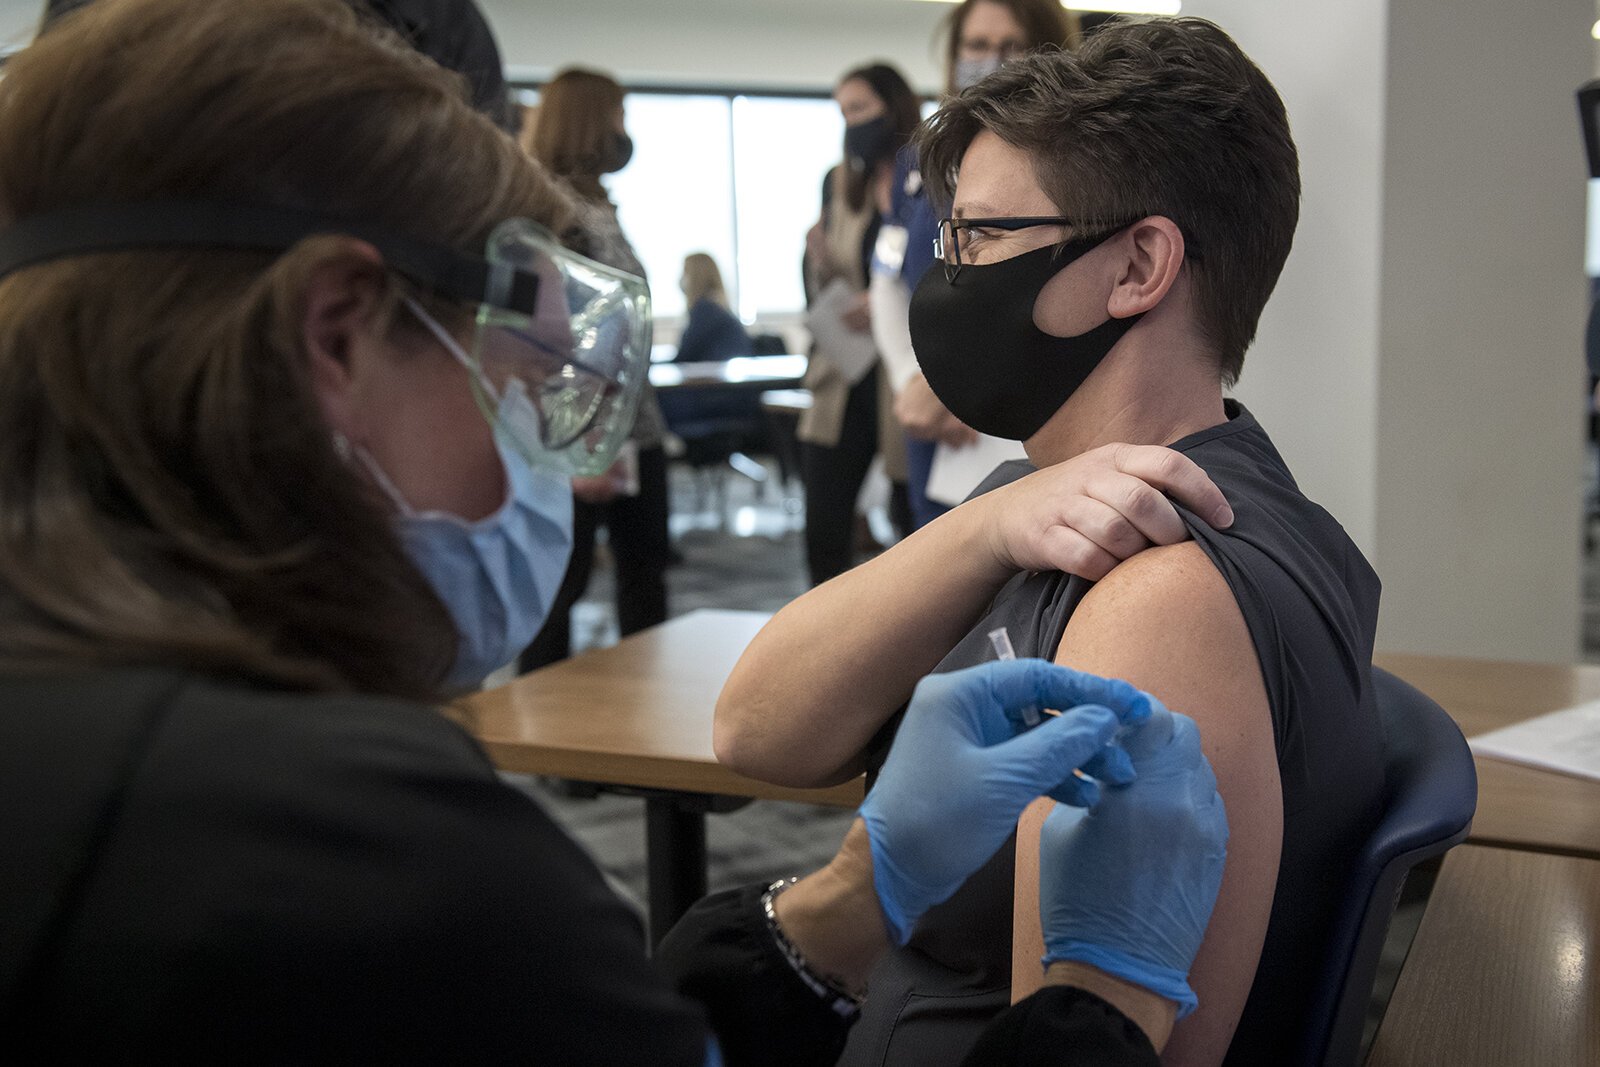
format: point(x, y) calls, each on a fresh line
point(1154, 248)
point(339, 303)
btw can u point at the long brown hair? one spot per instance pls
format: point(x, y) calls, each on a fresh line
point(169, 490)
point(1045, 22)
point(573, 133)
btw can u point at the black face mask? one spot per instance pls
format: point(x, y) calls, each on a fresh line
point(621, 152)
point(867, 143)
point(981, 353)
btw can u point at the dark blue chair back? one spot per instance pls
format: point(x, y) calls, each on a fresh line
point(1431, 789)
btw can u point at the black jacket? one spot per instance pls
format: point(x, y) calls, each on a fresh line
point(205, 871)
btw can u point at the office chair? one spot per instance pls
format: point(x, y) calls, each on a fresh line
point(1431, 793)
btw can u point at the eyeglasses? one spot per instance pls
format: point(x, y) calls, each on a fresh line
point(959, 237)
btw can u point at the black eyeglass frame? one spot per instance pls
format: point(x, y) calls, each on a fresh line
point(1013, 223)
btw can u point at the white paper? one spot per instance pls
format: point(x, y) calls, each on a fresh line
point(1567, 741)
point(956, 472)
point(853, 353)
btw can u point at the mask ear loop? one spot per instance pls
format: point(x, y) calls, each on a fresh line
point(452, 346)
point(381, 479)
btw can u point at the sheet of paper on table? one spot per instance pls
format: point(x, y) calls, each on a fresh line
point(1567, 741)
point(956, 472)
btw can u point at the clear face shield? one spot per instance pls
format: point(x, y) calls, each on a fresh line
point(563, 383)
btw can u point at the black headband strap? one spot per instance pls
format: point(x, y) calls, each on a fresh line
point(208, 224)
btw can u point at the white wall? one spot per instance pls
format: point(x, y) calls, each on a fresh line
point(18, 20)
point(1480, 387)
point(804, 43)
point(1312, 375)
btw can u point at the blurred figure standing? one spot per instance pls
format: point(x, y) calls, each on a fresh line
point(841, 433)
point(712, 332)
point(578, 135)
point(982, 35)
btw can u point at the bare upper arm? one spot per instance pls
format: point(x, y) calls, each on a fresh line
point(1166, 621)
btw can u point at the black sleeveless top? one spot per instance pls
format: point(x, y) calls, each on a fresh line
point(1310, 601)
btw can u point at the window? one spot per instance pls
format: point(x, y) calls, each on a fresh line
point(736, 175)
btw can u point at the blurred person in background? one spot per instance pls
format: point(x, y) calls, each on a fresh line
point(579, 135)
point(850, 419)
point(712, 332)
point(982, 34)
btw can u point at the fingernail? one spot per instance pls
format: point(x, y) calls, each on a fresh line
point(1222, 517)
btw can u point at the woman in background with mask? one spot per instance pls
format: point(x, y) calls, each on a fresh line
point(579, 135)
point(842, 431)
point(983, 34)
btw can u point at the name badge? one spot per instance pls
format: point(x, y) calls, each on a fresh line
point(889, 254)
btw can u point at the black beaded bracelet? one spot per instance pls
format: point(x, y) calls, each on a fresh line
point(840, 1002)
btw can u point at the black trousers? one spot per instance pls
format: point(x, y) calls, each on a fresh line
point(637, 528)
point(833, 478)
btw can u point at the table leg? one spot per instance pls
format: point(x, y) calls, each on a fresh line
point(675, 857)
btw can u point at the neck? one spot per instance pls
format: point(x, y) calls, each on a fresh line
point(1150, 390)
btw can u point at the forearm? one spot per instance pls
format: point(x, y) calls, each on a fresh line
point(831, 667)
point(725, 955)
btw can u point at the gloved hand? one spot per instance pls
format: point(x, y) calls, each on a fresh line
point(964, 765)
point(1129, 885)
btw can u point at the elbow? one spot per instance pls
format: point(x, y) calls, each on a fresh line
point(743, 741)
point(737, 741)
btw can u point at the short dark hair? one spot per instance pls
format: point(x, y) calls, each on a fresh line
point(1165, 117)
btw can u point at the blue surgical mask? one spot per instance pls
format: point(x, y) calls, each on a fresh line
point(499, 575)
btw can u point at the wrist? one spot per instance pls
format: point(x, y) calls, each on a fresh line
point(1150, 1012)
point(832, 917)
point(979, 527)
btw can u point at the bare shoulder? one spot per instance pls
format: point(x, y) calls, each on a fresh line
point(1166, 621)
point(1178, 582)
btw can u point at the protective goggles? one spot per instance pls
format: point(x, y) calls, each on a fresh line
point(561, 348)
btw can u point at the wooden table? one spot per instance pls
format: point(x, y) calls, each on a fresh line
point(637, 717)
point(1518, 806)
point(1505, 968)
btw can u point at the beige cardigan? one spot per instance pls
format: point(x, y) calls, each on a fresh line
point(845, 228)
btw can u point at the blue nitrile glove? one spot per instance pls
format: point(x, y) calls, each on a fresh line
point(964, 765)
point(1129, 885)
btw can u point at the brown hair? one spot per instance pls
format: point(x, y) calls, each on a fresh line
point(1165, 117)
point(904, 108)
point(702, 279)
point(572, 135)
point(170, 491)
point(1045, 22)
